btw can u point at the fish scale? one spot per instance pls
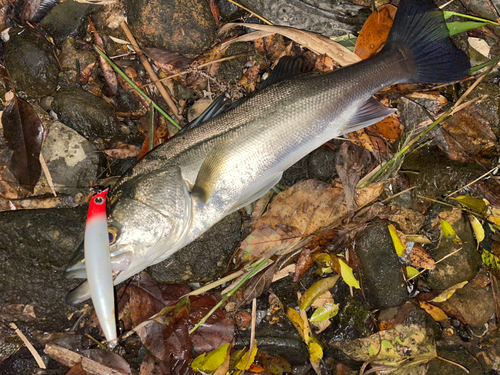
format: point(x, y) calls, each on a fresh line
point(180, 189)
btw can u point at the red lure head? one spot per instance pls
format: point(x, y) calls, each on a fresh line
point(98, 204)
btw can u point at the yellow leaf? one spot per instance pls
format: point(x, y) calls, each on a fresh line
point(297, 321)
point(478, 229)
point(395, 240)
point(434, 311)
point(411, 271)
point(316, 290)
point(209, 362)
point(315, 351)
point(418, 238)
point(347, 275)
point(244, 360)
point(448, 230)
point(475, 204)
point(448, 292)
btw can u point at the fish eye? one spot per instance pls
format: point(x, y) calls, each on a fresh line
point(98, 200)
point(112, 235)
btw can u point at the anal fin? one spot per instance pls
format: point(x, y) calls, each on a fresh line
point(368, 114)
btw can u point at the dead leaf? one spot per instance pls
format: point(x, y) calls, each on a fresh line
point(266, 241)
point(259, 284)
point(316, 290)
point(434, 311)
point(450, 216)
point(304, 262)
point(420, 258)
point(260, 207)
point(123, 151)
point(23, 132)
point(390, 128)
point(107, 70)
point(317, 43)
point(375, 31)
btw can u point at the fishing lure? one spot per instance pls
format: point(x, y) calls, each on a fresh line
point(98, 265)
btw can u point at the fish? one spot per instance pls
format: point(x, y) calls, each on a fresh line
point(98, 264)
point(181, 188)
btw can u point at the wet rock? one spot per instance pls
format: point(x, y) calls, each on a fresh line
point(330, 18)
point(73, 162)
point(435, 174)
point(321, 164)
point(476, 305)
point(31, 62)
point(73, 61)
point(35, 247)
point(230, 12)
point(206, 258)
point(67, 19)
point(481, 8)
point(412, 313)
point(461, 266)
point(382, 278)
point(352, 322)
point(456, 355)
point(232, 70)
point(279, 338)
point(175, 25)
point(89, 115)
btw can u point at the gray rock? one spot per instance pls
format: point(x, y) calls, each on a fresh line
point(35, 247)
point(329, 18)
point(89, 115)
point(321, 164)
point(481, 8)
point(461, 266)
point(67, 19)
point(476, 305)
point(31, 62)
point(206, 258)
point(454, 355)
point(382, 278)
point(174, 25)
point(71, 159)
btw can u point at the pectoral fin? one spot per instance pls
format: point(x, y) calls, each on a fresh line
point(368, 114)
point(211, 170)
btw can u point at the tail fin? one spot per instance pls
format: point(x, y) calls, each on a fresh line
point(420, 27)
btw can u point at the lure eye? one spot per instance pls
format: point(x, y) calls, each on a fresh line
point(112, 235)
point(98, 200)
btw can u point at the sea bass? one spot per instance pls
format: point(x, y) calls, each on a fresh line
point(183, 187)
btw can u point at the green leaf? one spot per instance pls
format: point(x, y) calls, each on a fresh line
point(324, 313)
point(460, 27)
point(209, 362)
point(475, 204)
point(347, 275)
point(491, 262)
point(317, 289)
point(448, 292)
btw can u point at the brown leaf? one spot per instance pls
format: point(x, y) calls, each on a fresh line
point(162, 56)
point(349, 162)
point(23, 132)
point(304, 262)
point(266, 241)
point(390, 128)
point(123, 151)
point(259, 284)
point(107, 70)
point(420, 258)
point(375, 31)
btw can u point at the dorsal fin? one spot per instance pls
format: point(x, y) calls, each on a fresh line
point(287, 67)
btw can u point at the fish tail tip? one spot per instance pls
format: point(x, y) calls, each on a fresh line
point(420, 26)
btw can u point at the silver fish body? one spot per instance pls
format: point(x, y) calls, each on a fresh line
point(182, 188)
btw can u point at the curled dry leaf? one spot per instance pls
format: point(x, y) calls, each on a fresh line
point(420, 258)
point(319, 44)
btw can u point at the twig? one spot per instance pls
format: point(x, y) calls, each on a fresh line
point(252, 13)
point(493, 170)
point(47, 174)
point(30, 347)
point(151, 72)
point(252, 334)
